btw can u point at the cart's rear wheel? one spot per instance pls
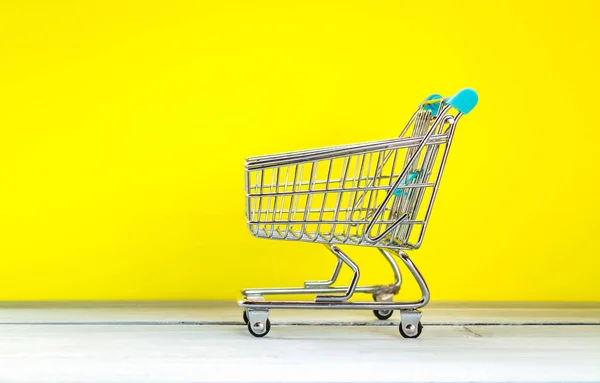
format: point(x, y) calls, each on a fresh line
point(383, 314)
point(245, 316)
point(259, 329)
point(410, 331)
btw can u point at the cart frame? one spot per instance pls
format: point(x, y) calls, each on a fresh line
point(391, 224)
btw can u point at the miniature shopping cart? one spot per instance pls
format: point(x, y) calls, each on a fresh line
point(378, 194)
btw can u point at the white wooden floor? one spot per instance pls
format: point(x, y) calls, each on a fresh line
point(207, 342)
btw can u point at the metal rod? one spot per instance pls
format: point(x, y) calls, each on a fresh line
point(299, 158)
point(397, 183)
point(334, 276)
point(353, 283)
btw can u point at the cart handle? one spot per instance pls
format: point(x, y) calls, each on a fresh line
point(464, 101)
point(391, 193)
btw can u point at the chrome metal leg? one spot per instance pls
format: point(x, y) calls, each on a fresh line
point(425, 295)
point(334, 276)
point(351, 287)
point(341, 302)
point(386, 292)
point(324, 287)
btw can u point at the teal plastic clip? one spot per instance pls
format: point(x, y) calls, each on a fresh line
point(434, 107)
point(411, 177)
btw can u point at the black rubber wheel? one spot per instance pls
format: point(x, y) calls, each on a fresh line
point(419, 329)
point(383, 314)
point(245, 316)
point(259, 335)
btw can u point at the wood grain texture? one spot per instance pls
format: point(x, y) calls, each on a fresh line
point(207, 343)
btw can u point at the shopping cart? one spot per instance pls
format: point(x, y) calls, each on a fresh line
point(378, 194)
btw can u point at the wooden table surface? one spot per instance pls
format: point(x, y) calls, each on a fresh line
point(207, 342)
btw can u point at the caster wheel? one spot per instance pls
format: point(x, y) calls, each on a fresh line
point(383, 314)
point(245, 316)
point(259, 329)
point(412, 332)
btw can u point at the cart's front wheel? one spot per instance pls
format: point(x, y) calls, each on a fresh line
point(259, 329)
point(410, 330)
point(245, 316)
point(383, 314)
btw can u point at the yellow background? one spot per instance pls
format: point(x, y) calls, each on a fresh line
point(125, 125)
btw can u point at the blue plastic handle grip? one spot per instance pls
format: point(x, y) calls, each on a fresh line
point(464, 100)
